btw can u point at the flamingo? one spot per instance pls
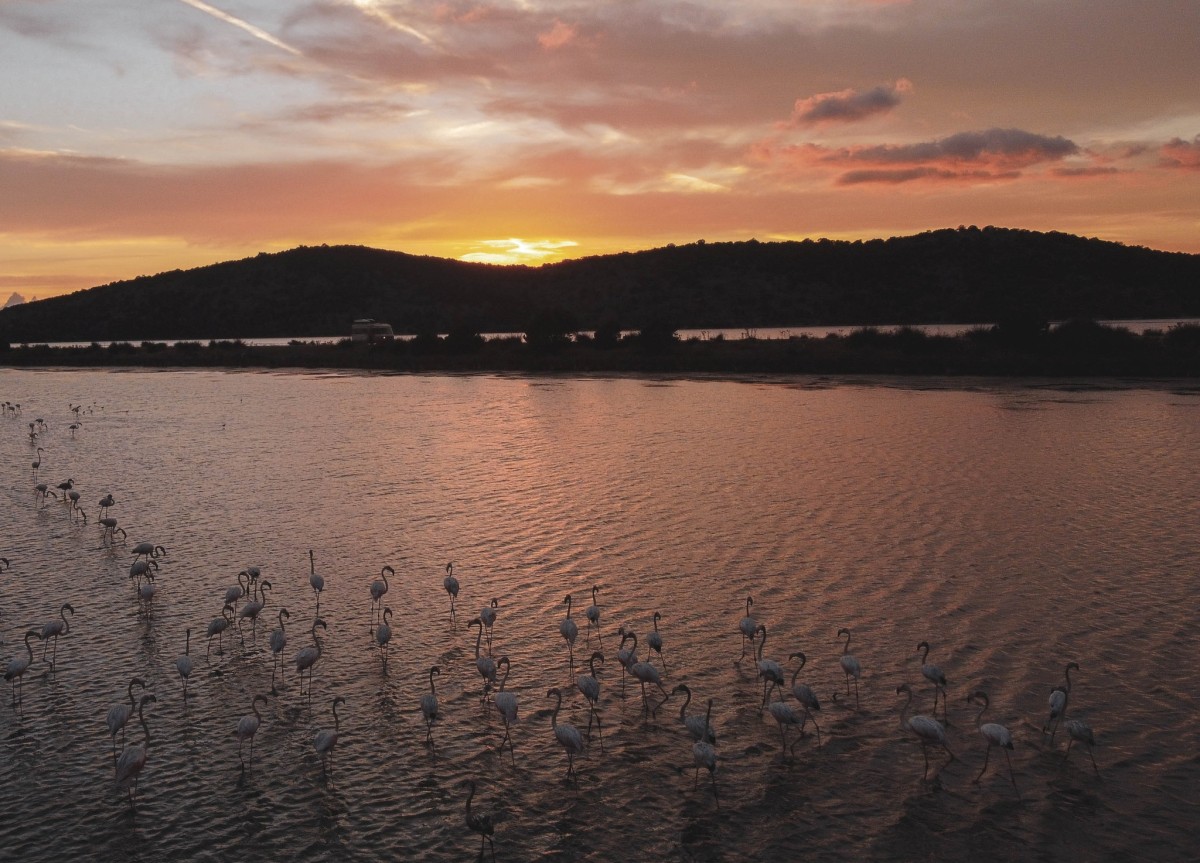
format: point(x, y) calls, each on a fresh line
point(451, 585)
point(118, 714)
point(184, 663)
point(805, 695)
point(236, 591)
point(769, 670)
point(42, 491)
point(306, 658)
point(277, 642)
point(654, 641)
point(484, 664)
point(217, 627)
point(4, 564)
point(1081, 731)
point(139, 568)
point(995, 735)
point(105, 503)
point(704, 755)
point(383, 634)
point(378, 588)
point(147, 550)
point(429, 706)
point(54, 629)
point(927, 729)
point(593, 617)
point(568, 630)
point(590, 687)
point(327, 739)
point(850, 666)
point(785, 715)
point(253, 608)
point(133, 758)
point(934, 675)
point(487, 614)
point(315, 581)
point(568, 736)
point(146, 591)
point(480, 823)
point(247, 727)
point(697, 726)
point(1059, 696)
point(110, 530)
point(17, 666)
point(37, 462)
point(748, 627)
point(627, 658)
point(506, 705)
point(647, 673)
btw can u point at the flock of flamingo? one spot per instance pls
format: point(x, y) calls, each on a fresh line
point(252, 590)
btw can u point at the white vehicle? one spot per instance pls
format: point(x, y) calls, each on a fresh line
point(370, 331)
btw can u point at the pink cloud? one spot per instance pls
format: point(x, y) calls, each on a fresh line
point(848, 106)
point(1178, 153)
point(557, 36)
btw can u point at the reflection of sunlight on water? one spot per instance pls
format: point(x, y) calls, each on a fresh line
point(1013, 526)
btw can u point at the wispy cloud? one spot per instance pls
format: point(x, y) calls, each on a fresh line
point(1178, 153)
point(256, 32)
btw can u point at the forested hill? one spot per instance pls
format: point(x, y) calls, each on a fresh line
point(968, 275)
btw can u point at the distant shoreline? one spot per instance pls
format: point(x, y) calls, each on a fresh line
point(1075, 349)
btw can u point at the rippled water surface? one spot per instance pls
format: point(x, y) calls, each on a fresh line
point(1015, 527)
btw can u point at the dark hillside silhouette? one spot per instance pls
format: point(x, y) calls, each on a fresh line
point(969, 275)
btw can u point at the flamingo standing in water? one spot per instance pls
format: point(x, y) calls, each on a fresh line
point(748, 627)
point(133, 758)
point(769, 670)
point(315, 581)
point(184, 663)
point(307, 657)
point(451, 585)
point(850, 666)
point(506, 705)
point(1080, 731)
point(704, 755)
point(647, 673)
point(247, 728)
point(378, 588)
point(252, 609)
point(654, 641)
point(697, 726)
point(479, 822)
point(927, 729)
point(568, 736)
point(627, 658)
point(569, 631)
point(593, 617)
point(383, 634)
point(995, 735)
point(217, 627)
point(805, 695)
point(277, 642)
point(37, 462)
point(429, 706)
point(487, 614)
point(118, 714)
point(54, 629)
point(326, 739)
point(18, 665)
point(590, 687)
point(934, 675)
point(484, 664)
point(1059, 696)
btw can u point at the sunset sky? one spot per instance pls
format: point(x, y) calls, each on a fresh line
point(138, 137)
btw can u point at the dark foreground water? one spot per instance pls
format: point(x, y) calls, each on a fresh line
point(1015, 527)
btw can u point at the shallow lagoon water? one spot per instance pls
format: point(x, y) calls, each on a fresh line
point(1015, 526)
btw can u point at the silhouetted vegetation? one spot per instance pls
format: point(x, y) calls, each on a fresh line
point(1078, 347)
point(1017, 279)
